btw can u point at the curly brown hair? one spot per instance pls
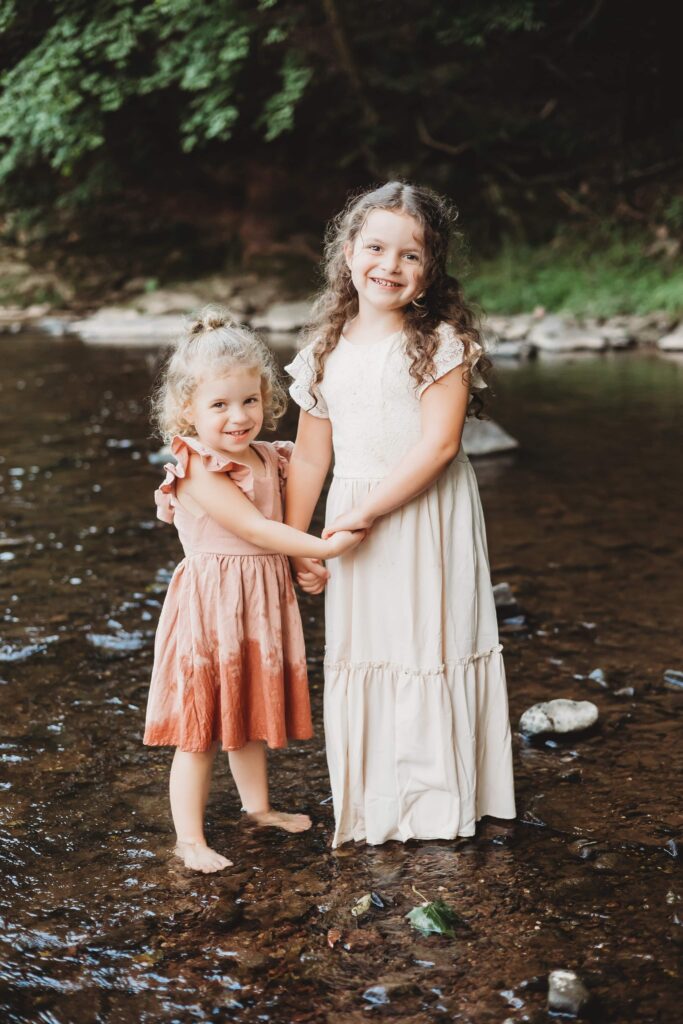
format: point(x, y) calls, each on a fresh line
point(213, 344)
point(441, 302)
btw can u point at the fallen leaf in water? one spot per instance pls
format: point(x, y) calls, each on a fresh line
point(333, 937)
point(434, 918)
point(362, 906)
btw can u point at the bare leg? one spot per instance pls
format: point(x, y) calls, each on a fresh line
point(250, 771)
point(189, 791)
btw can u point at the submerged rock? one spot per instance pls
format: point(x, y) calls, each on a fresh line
point(673, 679)
point(484, 437)
point(566, 993)
point(558, 716)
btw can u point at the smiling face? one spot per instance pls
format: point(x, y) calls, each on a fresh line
point(387, 260)
point(227, 411)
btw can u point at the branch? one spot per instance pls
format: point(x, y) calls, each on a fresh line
point(443, 147)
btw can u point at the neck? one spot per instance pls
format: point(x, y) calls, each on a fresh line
point(378, 321)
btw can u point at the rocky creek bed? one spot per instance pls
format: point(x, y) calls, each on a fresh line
point(98, 921)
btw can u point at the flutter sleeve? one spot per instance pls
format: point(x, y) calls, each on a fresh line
point(214, 462)
point(283, 450)
point(449, 354)
point(303, 389)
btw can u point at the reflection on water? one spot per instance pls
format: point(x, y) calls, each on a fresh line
point(100, 924)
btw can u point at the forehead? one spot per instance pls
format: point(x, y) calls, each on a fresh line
point(238, 382)
point(393, 226)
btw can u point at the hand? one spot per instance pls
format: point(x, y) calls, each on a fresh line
point(344, 541)
point(311, 574)
point(354, 519)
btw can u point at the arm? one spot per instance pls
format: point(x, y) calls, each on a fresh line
point(222, 499)
point(443, 410)
point(308, 468)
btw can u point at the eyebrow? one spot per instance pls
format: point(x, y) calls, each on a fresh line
point(223, 398)
point(410, 248)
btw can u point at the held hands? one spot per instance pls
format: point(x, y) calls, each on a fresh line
point(343, 541)
point(354, 519)
point(311, 574)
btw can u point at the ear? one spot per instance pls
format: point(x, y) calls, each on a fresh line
point(348, 253)
point(188, 414)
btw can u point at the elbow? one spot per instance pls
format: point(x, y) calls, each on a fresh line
point(446, 451)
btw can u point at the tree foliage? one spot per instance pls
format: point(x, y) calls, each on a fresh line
point(514, 106)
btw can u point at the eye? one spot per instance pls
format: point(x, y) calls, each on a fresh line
point(413, 257)
point(253, 400)
point(373, 247)
point(218, 405)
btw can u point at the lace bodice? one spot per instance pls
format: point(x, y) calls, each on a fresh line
point(370, 398)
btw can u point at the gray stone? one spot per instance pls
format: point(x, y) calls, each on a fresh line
point(558, 716)
point(484, 437)
point(559, 334)
point(283, 316)
point(566, 993)
point(509, 350)
point(672, 342)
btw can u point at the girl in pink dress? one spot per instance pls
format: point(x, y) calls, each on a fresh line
point(230, 664)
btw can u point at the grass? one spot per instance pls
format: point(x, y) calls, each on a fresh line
point(600, 276)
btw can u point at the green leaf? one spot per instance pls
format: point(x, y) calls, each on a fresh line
point(435, 918)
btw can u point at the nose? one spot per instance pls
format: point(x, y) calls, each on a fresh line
point(390, 261)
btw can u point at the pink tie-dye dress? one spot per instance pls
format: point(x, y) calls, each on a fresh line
point(229, 656)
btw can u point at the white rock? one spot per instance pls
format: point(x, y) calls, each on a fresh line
point(558, 716)
point(567, 994)
point(484, 437)
point(117, 325)
point(283, 316)
point(503, 596)
point(558, 334)
point(672, 342)
point(518, 327)
point(164, 301)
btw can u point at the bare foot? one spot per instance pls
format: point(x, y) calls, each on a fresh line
point(279, 819)
point(200, 857)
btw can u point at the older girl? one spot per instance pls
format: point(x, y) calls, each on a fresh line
point(416, 713)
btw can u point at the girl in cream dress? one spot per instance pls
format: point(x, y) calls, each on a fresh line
point(416, 713)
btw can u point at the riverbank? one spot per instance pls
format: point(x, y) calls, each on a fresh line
point(158, 317)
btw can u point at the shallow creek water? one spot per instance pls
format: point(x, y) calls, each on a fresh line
point(100, 923)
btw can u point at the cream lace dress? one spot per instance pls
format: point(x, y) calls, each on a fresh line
point(416, 712)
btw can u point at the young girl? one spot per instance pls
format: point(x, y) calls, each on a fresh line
point(229, 660)
point(416, 714)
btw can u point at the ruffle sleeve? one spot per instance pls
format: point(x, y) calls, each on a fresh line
point(303, 389)
point(284, 451)
point(181, 447)
point(449, 355)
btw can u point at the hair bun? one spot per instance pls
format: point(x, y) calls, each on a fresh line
point(211, 319)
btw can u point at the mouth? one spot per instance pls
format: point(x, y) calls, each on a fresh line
point(384, 283)
point(237, 435)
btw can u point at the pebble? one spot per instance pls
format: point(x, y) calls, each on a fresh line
point(566, 993)
point(673, 679)
point(558, 716)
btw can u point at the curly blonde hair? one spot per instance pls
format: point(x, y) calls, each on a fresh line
point(441, 302)
point(213, 344)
